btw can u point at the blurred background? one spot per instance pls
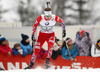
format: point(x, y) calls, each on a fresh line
point(18, 16)
point(74, 12)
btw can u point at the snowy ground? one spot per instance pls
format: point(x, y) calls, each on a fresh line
point(57, 70)
point(39, 69)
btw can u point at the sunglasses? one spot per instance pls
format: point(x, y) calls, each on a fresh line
point(48, 15)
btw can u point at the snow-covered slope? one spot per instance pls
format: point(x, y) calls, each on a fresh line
point(52, 70)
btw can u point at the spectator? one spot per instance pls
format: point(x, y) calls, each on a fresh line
point(95, 51)
point(72, 49)
point(56, 49)
point(78, 41)
point(4, 48)
point(78, 38)
point(83, 43)
point(17, 50)
point(7, 42)
point(25, 44)
point(86, 44)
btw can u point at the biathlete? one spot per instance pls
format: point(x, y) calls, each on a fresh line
point(47, 22)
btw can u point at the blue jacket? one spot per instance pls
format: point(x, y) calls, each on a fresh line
point(65, 53)
point(25, 48)
point(15, 52)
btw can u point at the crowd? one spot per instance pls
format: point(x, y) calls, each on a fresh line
point(22, 48)
point(82, 46)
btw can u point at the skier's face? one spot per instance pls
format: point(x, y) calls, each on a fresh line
point(48, 17)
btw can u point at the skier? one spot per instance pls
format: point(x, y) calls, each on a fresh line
point(46, 33)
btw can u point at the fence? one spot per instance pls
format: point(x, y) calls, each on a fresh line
point(19, 62)
point(14, 34)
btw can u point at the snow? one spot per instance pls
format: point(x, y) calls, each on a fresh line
point(37, 5)
point(9, 10)
point(68, 3)
point(68, 12)
point(57, 70)
point(9, 4)
point(10, 16)
point(75, 6)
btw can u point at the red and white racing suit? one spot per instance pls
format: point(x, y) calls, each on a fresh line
point(46, 33)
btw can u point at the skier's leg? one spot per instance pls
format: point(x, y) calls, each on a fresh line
point(40, 41)
point(35, 53)
point(50, 47)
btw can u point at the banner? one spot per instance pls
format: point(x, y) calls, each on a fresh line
point(20, 62)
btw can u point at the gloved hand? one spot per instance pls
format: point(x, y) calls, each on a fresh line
point(56, 39)
point(33, 38)
point(64, 33)
point(20, 51)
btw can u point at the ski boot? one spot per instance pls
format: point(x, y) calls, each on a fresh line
point(47, 63)
point(30, 66)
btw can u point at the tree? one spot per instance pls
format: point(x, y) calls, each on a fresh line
point(26, 12)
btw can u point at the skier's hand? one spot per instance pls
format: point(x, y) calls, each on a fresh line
point(64, 33)
point(33, 38)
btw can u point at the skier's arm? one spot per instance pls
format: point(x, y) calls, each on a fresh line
point(36, 24)
point(60, 20)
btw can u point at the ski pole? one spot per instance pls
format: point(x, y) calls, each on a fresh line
point(68, 50)
point(69, 53)
point(70, 56)
point(33, 43)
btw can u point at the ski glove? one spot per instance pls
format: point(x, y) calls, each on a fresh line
point(64, 33)
point(33, 38)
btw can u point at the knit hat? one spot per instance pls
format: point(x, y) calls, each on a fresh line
point(24, 37)
point(2, 38)
point(81, 33)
